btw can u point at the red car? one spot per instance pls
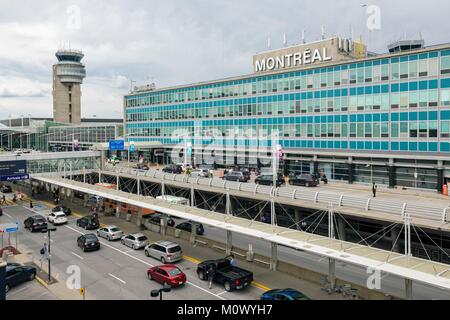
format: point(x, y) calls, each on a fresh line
point(168, 273)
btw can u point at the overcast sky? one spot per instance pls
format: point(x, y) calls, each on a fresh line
point(175, 42)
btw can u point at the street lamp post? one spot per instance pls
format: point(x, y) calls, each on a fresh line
point(155, 293)
point(48, 231)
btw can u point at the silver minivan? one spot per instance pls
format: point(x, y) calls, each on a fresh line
point(135, 241)
point(165, 251)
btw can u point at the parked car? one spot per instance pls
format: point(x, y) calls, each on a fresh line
point(237, 176)
point(175, 169)
point(232, 278)
point(187, 226)
point(94, 200)
point(110, 233)
point(88, 242)
point(156, 219)
point(64, 209)
point(135, 241)
point(35, 223)
point(165, 251)
point(141, 166)
point(6, 189)
point(167, 274)
point(17, 274)
point(306, 180)
point(57, 218)
point(202, 173)
point(284, 294)
point(88, 223)
point(267, 180)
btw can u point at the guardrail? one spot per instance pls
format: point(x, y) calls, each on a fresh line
point(337, 200)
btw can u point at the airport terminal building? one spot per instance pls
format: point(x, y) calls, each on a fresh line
point(356, 116)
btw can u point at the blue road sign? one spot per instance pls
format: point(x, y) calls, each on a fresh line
point(13, 170)
point(15, 177)
point(132, 147)
point(116, 145)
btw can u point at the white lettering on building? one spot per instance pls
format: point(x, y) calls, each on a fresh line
point(292, 60)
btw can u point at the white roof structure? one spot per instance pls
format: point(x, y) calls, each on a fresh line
point(415, 269)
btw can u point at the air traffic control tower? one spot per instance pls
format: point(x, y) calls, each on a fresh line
point(68, 75)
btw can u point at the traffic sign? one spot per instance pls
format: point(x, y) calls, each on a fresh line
point(116, 145)
point(132, 146)
point(82, 291)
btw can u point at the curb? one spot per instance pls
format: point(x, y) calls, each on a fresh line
point(41, 282)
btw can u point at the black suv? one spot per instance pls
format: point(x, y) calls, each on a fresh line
point(6, 189)
point(156, 219)
point(35, 223)
point(267, 180)
point(175, 169)
point(237, 176)
point(88, 223)
point(88, 242)
point(187, 226)
point(307, 180)
point(64, 209)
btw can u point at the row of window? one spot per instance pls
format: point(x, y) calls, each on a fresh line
point(361, 73)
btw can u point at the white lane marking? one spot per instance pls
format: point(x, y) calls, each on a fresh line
point(39, 296)
point(17, 291)
point(8, 215)
point(118, 279)
point(76, 255)
point(219, 294)
point(146, 263)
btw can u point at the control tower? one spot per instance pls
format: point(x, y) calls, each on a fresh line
point(68, 75)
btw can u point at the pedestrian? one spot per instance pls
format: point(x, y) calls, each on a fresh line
point(233, 261)
point(374, 189)
point(32, 192)
point(3, 199)
point(210, 273)
point(31, 204)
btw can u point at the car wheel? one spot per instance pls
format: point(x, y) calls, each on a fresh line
point(85, 227)
point(201, 275)
point(307, 184)
point(149, 276)
point(227, 286)
point(122, 242)
point(147, 254)
point(32, 276)
point(135, 247)
point(84, 249)
point(109, 238)
point(7, 288)
point(163, 260)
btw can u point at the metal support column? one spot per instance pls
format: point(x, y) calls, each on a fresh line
point(163, 189)
point(99, 176)
point(408, 289)
point(297, 219)
point(192, 197)
point(117, 183)
point(440, 176)
point(342, 229)
point(332, 272)
point(391, 171)
point(274, 257)
point(273, 214)
point(163, 225)
point(138, 181)
point(84, 175)
point(395, 242)
point(351, 170)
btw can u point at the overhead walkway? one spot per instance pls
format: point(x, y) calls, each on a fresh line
point(407, 267)
point(425, 216)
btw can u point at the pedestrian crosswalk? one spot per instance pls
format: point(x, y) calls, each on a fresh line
point(10, 202)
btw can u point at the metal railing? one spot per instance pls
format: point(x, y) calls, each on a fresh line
point(428, 212)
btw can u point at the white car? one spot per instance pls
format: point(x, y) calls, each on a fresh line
point(57, 218)
point(110, 233)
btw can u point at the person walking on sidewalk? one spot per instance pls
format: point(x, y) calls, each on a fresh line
point(374, 189)
point(3, 200)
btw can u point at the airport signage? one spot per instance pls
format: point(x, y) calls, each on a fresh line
point(116, 145)
point(13, 170)
point(15, 178)
point(291, 60)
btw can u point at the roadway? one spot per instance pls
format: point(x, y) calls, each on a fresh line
point(115, 272)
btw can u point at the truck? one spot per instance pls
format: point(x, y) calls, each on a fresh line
point(232, 278)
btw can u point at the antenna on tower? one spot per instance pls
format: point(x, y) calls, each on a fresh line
point(285, 39)
point(268, 42)
point(303, 36)
point(323, 32)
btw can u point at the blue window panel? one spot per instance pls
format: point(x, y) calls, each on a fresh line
point(404, 58)
point(310, 144)
point(360, 145)
point(353, 118)
point(337, 119)
point(344, 118)
point(413, 116)
point(344, 145)
point(445, 53)
point(384, 145)
point(368, 118)
point(423, 115)
point(377, 117)
point(368, 90)
point(368, 145)
point(394, 116)
point(432, 115)
point(404, 116)
point(310, 119)
point(433, 147)
point(337, 92)
point(394, 87)
point(330, 144)
point(404, 146)
point(368, 64)
point(323, 144)
point(330, 93)
point(404, 86)
point(360, 118)
point(353, 145)
point(360, 90)
point(385, 88)
point(344, 92)
point(413, 86)
point(394, 60)
point(376, 145)
point(316, 144)
point(413, 57)
point(423, 56)
point(361, 65)
point(317, 94)
point(423, 146)
point(413, 146)
point(353, 91)
point(376, 89)
point(337, 145)
point(445, 115)
point(395, 146)
point(316, 119)
point(423, 85)
point(433, 84)
point(323, 94)
point(304, 144)
point(376, 62)
point(344, 67)
point(445, 83)
point(353, 66)
point(298, 120)
point(330, 119)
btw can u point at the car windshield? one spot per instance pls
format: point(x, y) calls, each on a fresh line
point(39, 219)
point(175, 272)
point(115, 229)
point(174, 249)
point(91, 238)
point(142, 238)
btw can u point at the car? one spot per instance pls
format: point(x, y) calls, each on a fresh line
point(6, 189)
point(88, 242)
point(94, 200)
point(114, 160)
point(88, 223)
point(306, 180)
point(135, 241)
point(35, 223)
point(284, 294)
point(141, 166)
point(237, 176)
point(165, 251)
point(202, 173)
point(187, 226)
point(267, 180)
point(175, 169)
point(231, 277)
point(167, 274)
point(57, 218)
point(17, 274)
point(67, 211)
point(156, 219)
point(110, 233)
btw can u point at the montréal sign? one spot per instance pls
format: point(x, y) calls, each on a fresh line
point(292, 60)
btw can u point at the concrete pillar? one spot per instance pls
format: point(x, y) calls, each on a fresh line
point(342, 229)
point(139, 217)
point(85, 199)
point(229, 243)
point(408, 289)
point(163, 225)
point(395, 237)
point(274, 257)
point(193, 233)
point(351, 170)
point(117, 183)
point(297, 218)
point(392, 173)
point(138, 181)
point(332, 272)
point(192, 197)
